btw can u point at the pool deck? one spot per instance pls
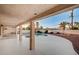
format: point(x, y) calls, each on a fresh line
point(74, 38)
point(45, 45)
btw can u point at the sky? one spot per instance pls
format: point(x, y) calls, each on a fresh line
point(54, 21)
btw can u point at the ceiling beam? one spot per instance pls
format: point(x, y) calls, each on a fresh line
point(9, 26)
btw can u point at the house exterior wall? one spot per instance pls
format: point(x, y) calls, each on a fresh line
point(9, 30)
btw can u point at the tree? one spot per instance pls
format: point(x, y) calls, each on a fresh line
point(28, 28)
point(41, 27)
point(76, 24)
point(63, 25)
point(72, 27)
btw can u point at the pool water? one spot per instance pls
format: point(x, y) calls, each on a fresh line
point(41, 34)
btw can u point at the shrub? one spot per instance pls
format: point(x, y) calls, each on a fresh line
point(51, 33)
point(58, 33)
point(38, 32)
point(75, 28)
point(46, 32)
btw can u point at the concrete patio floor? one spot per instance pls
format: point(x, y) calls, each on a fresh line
point(45, 45)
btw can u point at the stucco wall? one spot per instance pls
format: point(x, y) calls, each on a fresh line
point(67, 31)
point(71, 31)
point(9, 30)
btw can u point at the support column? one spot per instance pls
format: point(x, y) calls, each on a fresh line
point(37, 25)
point(16, 31)
point(20, 32)
point(2, 30)
point(32, 35)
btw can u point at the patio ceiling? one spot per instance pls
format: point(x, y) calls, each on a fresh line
point(11, 15)
point(17, 14)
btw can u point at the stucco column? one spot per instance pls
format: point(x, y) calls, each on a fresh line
point(2, 30)
point(20, 32)
point(32, 35)
point(16, 31)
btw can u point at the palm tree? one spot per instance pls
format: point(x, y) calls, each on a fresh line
point(72, 20)
point(63, 25)
point(77, 24)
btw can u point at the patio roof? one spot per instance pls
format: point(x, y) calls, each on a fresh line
point(18, 14)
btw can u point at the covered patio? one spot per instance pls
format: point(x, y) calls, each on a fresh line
point(12, 41)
